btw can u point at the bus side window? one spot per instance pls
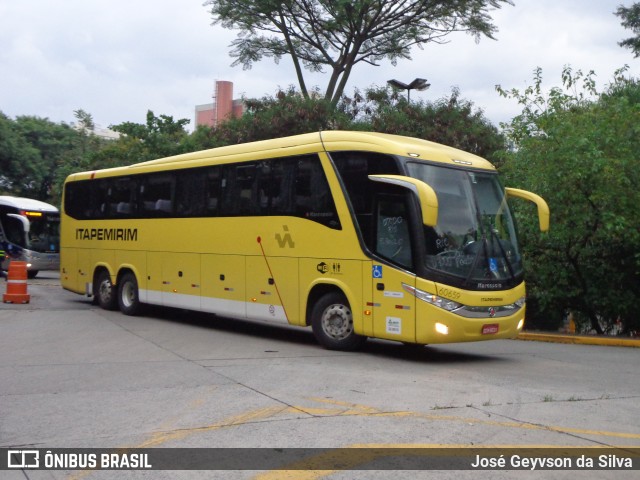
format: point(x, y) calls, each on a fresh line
point(83, 199)
point(393, 239)
point(240, 193)
point(190, 193)
point(275, 186)
point(313, 198)
point(213, 191)
point(157, 194)
point(122, 198)
point(354, 169)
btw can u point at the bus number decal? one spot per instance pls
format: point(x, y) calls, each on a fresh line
point(448, 293)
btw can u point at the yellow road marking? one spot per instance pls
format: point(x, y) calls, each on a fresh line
point(348, 459)
point(364, 410)
point(162, 437)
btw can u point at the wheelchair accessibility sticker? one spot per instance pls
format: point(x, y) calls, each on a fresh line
point(377, 271)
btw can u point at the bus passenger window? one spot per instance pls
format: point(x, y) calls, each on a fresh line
point(213, 192)
point(313, 198)
point(122, 198)
point(240, 191)
point(190, 193)
point(157, 195)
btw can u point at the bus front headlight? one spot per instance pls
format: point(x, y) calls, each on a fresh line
point(440, 302)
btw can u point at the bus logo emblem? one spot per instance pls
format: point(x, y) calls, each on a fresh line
point(285, 240)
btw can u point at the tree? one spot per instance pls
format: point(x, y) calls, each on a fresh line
point(20, 173)
point(577, 147)
point(79, 156)
point(31, 151)
point(160, 136)
point(631, 19)
point(339, 34)
point(450, 120)
point(288, 113)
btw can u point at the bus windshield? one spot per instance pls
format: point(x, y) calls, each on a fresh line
point(44, 233)
point(475, 237)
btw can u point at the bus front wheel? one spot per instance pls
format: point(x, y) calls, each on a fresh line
point(332, 323)
point(104, 291)
point(128, 299)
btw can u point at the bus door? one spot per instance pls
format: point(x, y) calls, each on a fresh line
point(393, 307)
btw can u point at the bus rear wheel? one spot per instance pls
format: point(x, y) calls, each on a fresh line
point(332, 323)
point(104, 292)
point(128, 295)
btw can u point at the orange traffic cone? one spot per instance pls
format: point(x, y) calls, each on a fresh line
point(17, 284)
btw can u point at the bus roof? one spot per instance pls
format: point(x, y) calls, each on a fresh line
point(22, 203)
point(330, 141)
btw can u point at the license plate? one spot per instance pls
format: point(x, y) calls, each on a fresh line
point(490, 329)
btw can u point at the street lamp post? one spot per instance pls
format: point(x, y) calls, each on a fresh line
point(418, 84)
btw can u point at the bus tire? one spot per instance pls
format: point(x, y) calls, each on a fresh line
point(31, 274)
point(332, 323)
point(104, 292)
point(128, 295)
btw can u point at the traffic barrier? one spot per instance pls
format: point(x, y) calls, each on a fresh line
point(17, 284)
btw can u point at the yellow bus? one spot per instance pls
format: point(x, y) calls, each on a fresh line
point(355, 234)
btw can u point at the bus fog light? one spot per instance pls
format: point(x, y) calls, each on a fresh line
point(521, 324)
point(442, 329)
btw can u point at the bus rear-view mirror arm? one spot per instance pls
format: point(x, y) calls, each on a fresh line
point(426, 195)
point(543, 208)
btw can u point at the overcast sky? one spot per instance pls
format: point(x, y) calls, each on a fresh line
point(118, 59)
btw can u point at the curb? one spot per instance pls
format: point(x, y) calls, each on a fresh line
point(580, 339)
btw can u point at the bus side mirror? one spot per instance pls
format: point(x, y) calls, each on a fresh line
point(426, 195)
point(23, 220)
point(543, 208)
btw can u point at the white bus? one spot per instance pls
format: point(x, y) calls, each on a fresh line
point(30, 232)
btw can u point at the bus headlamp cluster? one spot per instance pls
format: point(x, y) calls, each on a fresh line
point(465, 310)
point(443, 303)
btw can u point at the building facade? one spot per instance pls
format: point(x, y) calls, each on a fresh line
point(222, 108)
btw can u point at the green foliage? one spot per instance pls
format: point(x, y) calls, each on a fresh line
point(19, 173)
point(159, 137)
point(340, 34)
point(288, 113)
point(631, 19)
point(85, 144)
point(577, 148)
point(31, 150)
point(451, 120)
